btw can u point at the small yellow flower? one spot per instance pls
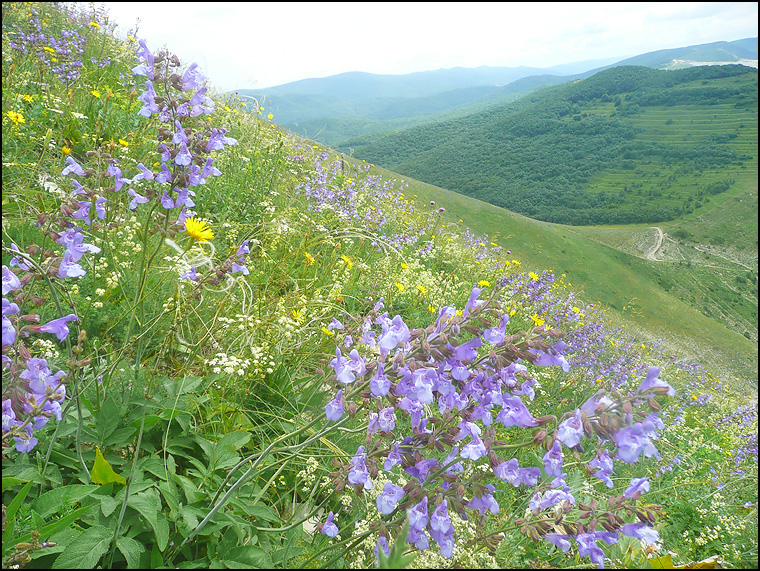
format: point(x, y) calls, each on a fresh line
point(576, 310)
point(347, 261)
point(297, 315)
point(48, 49)
point(17, 118)
point(327, 332)
point(123, 143)
point(28, 98)
point(399, 287)
point(484, 283)
point(533, 276)
point(270, 116)
point(65, 150)
point(537, 320)
point(198, 229)
point(404, 266)
point(309, 258)
point(96, 93)
point(431, 309)
point(95, 25)
point(422, 289)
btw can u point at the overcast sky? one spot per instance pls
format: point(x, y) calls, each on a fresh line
point(254, 45)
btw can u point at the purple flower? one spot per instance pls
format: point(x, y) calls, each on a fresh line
point(58, 326)
point(334, 408)
point(553, 357)
point(69, 268)
point(83, 213)
point(442, 529)
point(495, 335)
point(329, 528)
point(392, 494)
point(553, 460)
point(474, 450)
point(73, 167)
point(570, 430)
point(184, 157)
point(393, 458)
point(633, 440)
point(511, 473)
point(587, 548)
point(515, 413)
point(653, 381)
point(382, 543)
point(191, 274)
point(10, 281)
point(604, 465)
point(380, 384)
point(421, 469)
point(560, 540)
point(136, 199)
point(73, 240)
point(25, 442)
point(395, 334)
point(637, 485)
point(387, 419)
point(100, 207)
point(358, 474)
point(484, 503)
point(642, 531)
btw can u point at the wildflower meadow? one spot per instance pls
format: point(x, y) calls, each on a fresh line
point(226, 346)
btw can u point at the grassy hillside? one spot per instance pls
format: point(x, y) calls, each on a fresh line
point(693, 306)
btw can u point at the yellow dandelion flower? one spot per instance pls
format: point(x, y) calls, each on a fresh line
point(399, 287)
point(17, 118)
point(123, 143)
point(576, 310)
point(48, 49)
point(95, 25)
point(327, 332)
point(198, 229)
point(28, 98)
point(431, 309)
point(533, 276)
point(404, 266)
point(65, 150)
point(297, 315)
point(484, 283)
point(347, 261)
point(270, 116)
point(95, 92)
point(516, 262)
point(309, 258)
point(537, 320)
point(421, 288)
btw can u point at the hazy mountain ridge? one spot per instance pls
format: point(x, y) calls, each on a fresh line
point(335, 108)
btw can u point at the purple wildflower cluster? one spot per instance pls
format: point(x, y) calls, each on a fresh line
point(432, 399)
point(32, 393)
point(61, 54)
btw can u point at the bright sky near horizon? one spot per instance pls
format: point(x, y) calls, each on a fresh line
point(254, 45)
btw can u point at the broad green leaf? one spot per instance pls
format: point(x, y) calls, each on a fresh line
point(236, 440)
point(131, 550)
point(10, 482)
point(107, 420)
point(102, 473)
point(51, 502)
point(56, 526)
point(148, 504)
point(248, 557)
point(86, 550)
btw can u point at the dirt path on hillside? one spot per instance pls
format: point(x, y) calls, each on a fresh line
point(660, 236)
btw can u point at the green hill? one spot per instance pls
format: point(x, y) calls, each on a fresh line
point(589, 153)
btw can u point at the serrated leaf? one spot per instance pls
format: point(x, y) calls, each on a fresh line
point(107, 419)
point(86, 550)
point(102, 473)
point(50, 502)
point(131, 550)
point(148, 504)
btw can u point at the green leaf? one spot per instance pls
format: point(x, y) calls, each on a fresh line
point(235, 440)
point(248, 557)
point(148, 504)
point(86, 550)
point(10, 482)
point(107, 419)
point(131, 550)
point(58, 498)
point(102, 473)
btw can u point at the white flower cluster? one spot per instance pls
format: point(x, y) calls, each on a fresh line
point(44, 349)
point(229, 364)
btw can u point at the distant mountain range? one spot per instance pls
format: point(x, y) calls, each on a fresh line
point(336, 108)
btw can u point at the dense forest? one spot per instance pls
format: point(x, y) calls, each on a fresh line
point(539, 156)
